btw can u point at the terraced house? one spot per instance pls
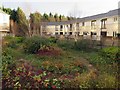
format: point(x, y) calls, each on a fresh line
point(4, 23)
point(105, 24)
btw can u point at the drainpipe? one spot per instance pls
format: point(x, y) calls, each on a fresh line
point(101, 37)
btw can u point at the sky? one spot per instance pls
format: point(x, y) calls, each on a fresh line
point(76, 8)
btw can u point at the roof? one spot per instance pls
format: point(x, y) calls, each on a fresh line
point(103, 15)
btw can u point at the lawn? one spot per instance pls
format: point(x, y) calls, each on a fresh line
point(38, 62)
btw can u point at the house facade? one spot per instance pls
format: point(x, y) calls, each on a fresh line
point(105, 25)
point(4, 23)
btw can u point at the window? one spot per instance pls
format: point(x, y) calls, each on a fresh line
point(56, 33)
point(56, 29)
point(114, 34)
point(70, 33)
point(5, 19)
point(115, 19)
point(65, 32)
point(61, 33)
point(83, 23)
point(70, 26)
point(103, 23)
point(93, 33)
point(93, 24)
point(103, 33)
point(61, 27)
point(77, 24)
point(85, 33)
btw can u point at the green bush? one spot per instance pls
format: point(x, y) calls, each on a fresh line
point(110, 53)
point(53, 40)
point(13, 42)
point(106, 81)
point(33, 44)
point(83, 44)
point(65, 44)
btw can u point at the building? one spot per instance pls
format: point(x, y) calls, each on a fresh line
point(105, 25)
point(4, 23)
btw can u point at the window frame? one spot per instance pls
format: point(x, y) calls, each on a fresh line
point(104, 23)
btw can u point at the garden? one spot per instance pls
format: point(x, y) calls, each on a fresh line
point(38, 62)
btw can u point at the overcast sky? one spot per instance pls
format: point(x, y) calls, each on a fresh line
point(78, 8)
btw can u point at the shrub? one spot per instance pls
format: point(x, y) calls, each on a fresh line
point(65, 44)
point(106, 81)
point(12, 42)
point(83, 44)
point(110, 53)
point(53, 40)
point(33, 44)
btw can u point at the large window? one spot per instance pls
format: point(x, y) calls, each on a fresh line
point(115, 19)
point(70, 33)
point(61, 27)
point(56, 29)
point(83, 23)
point(70, 27)
point(61, 33)
point(103, 23)
point(93, 24)
point(85, 33)
point(93, 33)
point(77, 26)
point(56, 33)
point(114, 34)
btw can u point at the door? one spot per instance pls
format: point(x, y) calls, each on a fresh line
point(104, 34)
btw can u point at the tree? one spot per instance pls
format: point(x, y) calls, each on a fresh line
point(64, 18)
point(13, 15)
point(35, 19)
point(60, 17)
point(6, 10)
point(50, 14)
point(56, 17)
point(22, 23)
point(51, 18)
point(45, 17)
point(68, 18)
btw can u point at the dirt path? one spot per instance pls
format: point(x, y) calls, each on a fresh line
point(90, 67)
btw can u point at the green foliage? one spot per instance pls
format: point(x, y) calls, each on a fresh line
point(66, 70)
point(7, 10)
point(33, 44)
point(110, 53)
point(65, 44)
point(13, 15)
point(53, 40)
point(56, 17)
point(83, 45)
point(22, 23)
point(106, 81)
point(45, 17)
point(13, 42)
point(35, 17)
